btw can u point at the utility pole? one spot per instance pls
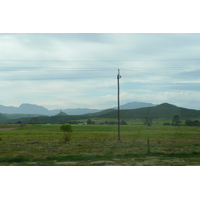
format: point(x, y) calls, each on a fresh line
point(118, 77)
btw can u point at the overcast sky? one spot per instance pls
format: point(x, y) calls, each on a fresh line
point(80, 70)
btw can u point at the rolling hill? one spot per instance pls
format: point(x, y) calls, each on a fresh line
point(164, 110)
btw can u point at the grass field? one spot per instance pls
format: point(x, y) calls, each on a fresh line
point(92, 145)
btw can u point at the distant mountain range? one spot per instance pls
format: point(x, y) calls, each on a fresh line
point(164, 110)
point(40, 110)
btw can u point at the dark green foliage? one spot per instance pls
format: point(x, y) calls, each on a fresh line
point(123, 122)
point(89, 121)
point(167, 124)
point(148, 122)
point(18, 158)
point(67, 130)
point(66, 137)
point(176, 121)
point(192, 123)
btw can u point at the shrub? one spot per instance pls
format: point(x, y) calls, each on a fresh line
point(148, 122)
point(67, 129)
point(167, 124)
point(66, 137)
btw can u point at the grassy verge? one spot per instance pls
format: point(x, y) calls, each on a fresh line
point(98, 145)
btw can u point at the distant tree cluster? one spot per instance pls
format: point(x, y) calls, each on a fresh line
point(122, 122)
point(89, 121)
point(175, 121)
point(167, 124)
point(192, 123)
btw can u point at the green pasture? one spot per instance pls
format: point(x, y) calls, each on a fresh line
point(90, 145)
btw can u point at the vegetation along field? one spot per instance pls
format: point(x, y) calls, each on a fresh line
point(90, 145)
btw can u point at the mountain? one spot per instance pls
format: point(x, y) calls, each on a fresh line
point(8, 109)
point(164, 110)
point(134, 105)
point(33, 109)
point(76, 111)
point(24, 109)
point(40, 110)
point(129, 110)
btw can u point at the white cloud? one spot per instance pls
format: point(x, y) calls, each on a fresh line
point(81, 82)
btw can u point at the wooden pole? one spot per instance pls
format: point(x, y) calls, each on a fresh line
point(118, 77)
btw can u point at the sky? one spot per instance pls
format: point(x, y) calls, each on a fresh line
point(79, 70)
point(158, 61)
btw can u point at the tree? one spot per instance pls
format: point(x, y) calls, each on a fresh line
point(89, 121)
point(176, 120)
point(66, 128)
point(148, 122)
point(123, 122)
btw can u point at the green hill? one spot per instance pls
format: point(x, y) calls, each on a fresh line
point(164, 110)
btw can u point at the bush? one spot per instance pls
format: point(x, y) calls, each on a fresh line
point(67, 130)
point(148, 122)
point(167, 124)
point(66, 137)
point(123, 122)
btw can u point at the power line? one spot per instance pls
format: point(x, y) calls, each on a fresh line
point(69, 78)
point(52, 69)
point(92, 69)
point(139, 60)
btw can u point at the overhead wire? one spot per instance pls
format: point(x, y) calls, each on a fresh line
point(67, 68)
point(139, 60)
